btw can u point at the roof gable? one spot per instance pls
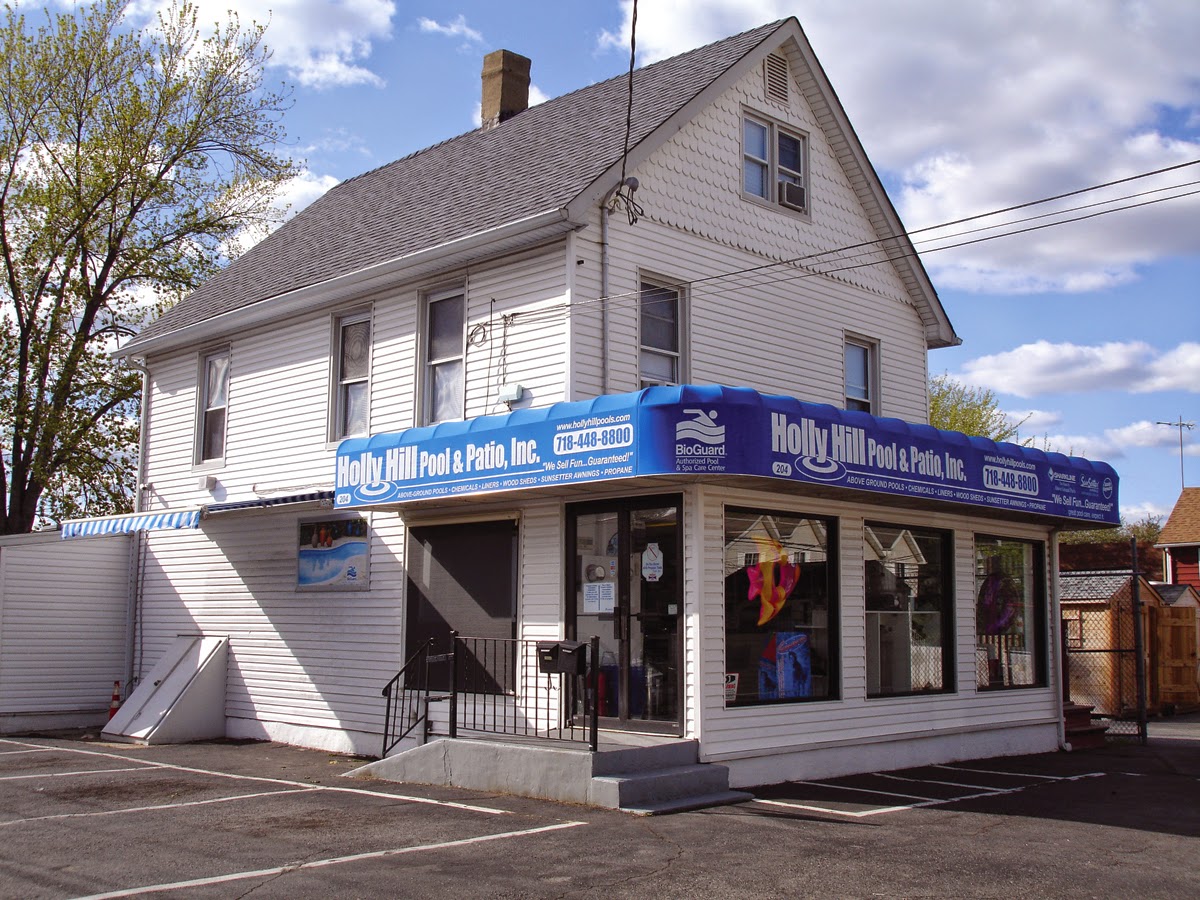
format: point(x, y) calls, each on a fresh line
point(1183, 525)
point(558, 157)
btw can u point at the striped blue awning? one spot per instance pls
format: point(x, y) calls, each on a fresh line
point(267, 502)
point(170, 518)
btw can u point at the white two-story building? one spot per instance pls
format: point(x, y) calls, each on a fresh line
point(522, 385)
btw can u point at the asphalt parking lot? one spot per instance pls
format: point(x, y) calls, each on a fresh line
point(80, 818)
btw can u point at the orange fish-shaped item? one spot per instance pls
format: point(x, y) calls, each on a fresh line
point(771, 594)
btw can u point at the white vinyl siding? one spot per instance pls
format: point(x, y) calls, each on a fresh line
point(775, 327)
point(63, 607)
point(313, 659)
point(728, 733)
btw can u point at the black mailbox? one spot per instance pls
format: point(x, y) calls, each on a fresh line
point(562, 657)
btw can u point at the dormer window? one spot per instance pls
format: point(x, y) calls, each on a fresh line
point(773, 163)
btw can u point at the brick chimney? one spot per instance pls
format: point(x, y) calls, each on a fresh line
point(505, 86)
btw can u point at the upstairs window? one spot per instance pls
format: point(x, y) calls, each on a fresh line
point(445, 376)
point(861, 393)
point(773, 163)
point(352, 388)
point(214, 403)
point(660, 342)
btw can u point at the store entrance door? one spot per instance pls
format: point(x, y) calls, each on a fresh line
point(626, 586)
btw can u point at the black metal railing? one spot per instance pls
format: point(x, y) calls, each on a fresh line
point(407, 699)
point(498, 686)
point(495, 686)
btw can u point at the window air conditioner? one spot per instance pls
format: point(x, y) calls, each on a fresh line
point(792, 195)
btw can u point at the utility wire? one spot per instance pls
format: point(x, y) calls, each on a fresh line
point(828, 262)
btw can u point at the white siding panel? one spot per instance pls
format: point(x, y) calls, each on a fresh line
point(755, 730)
point(63, 610)
point(311, 658)
point(775, 327)
point(516, 326)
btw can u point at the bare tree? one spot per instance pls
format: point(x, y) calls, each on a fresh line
point(129, 158)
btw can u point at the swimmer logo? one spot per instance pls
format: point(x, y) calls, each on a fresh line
point(700, 437)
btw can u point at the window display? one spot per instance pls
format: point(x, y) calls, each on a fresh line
point(910, 609)
point(1010, 613)
point(779, 607)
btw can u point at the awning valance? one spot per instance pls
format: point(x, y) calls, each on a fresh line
point(265, 502)
point(719, 431)
point(148, 521)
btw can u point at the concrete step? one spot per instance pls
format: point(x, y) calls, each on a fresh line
point(628, 760)
point(687, 804)
point(630, 789)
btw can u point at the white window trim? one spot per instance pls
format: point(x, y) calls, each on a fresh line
point(338, 322)
point(774, 126)
point(202, 407)
point(873, 383)
point(427, 363)
point(646, 280)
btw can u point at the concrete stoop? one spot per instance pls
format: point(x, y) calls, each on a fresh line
point(646, 780)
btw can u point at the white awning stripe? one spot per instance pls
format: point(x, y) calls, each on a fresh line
point(171, 518)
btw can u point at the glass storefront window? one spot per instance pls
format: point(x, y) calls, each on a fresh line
point(780, 607)
point(910, 610)
point(1010, 613)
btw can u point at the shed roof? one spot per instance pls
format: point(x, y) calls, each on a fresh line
point(541, 161)
point(1183, 525)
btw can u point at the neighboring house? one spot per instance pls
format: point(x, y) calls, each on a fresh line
point(477, 388)
point(1180, 540)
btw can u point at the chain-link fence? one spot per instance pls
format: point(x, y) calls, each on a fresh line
point(1102, 649)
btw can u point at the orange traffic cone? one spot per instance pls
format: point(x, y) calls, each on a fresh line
point(116, 700)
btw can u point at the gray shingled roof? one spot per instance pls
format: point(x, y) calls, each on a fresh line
point(1094, 585)
point(537, 161)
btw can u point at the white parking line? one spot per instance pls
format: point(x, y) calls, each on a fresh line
point(857, 790)
point(150, 763)
point(18, 752)
point(73, 774)
point(961, 784)
point(136, 809)
point(923, 802)
point(322, 863)
point(1009, 774)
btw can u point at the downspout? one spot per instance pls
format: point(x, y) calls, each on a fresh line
point(1056, 640)
point(136, 554)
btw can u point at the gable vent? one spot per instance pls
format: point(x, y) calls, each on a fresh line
point(775, 70)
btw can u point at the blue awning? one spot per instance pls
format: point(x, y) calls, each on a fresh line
point(711, 430)
point(150, 521)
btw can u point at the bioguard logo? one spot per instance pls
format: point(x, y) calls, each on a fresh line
point(700, 435)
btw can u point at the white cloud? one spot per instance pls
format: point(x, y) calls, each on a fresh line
point(1033, 421)
point(1114, 443)
point(458, 27)
point(972, 107)
point(1139, 512)
point(320, 44)
point(1044, 368)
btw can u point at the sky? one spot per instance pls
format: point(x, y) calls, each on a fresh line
point(1088, 333)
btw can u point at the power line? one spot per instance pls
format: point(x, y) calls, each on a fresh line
point(813, 264)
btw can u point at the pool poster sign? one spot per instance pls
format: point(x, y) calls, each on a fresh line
point(333, 553)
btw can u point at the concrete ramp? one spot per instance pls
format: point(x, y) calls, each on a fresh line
point(181, 700)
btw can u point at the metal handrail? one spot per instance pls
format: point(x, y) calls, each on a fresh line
point(406, 698)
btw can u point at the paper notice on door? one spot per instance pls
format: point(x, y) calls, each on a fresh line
point(599, 597)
